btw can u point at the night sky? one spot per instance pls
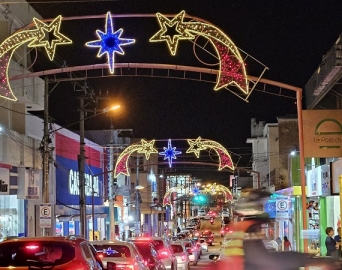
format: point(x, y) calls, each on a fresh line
point(289, 37)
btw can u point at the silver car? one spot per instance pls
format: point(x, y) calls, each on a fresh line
point(119, 255)
point(162, 245)
point(183, 261)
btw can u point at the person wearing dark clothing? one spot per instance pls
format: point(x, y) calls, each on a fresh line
point(330, 243)
point(337, 238)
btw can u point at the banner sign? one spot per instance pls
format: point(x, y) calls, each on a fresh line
point(322, 133)
point(29, 183)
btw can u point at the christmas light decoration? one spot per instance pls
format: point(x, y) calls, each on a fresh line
point(38, 38)
point(198, 145)
point(170, 153)
point(167, 196)
point(109, 42)
point(214, 189)
point(180, 27)
point(144, 147)
point(5, 89)
point(231, 65)
point(110, 251)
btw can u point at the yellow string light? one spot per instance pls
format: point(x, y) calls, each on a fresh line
point(38, 38)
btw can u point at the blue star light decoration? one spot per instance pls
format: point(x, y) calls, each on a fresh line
point(170, 153)
point(110, 42)
point(110, 251)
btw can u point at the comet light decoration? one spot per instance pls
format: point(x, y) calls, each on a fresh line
point(199, 144)
point(167, 196)
point(144, 147)
point(170, 153)
point(214, 189)
point(38, 38)
point(232, 69)
point(110, 42)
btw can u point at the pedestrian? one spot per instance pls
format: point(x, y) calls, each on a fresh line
point(337, 238)
point(330, 243)
point(280, 244)
point(287, 244)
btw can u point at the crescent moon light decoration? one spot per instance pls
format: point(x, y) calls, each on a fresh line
point(167, 198)
point(143, 147)
point(225, 161)
point(232, 69)
point(38, 38)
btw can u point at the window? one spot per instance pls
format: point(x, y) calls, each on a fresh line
point(113, 251)
point(17, 253)
point(177, 248)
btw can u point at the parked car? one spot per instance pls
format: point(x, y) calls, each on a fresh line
point(162, 245)
point(52, 252)
point(119, 255)
point(183, 261)
point(150, 256)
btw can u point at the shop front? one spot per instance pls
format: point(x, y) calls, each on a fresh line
point(67, 187)
point(12, 210)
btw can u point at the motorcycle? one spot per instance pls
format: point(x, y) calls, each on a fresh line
point(211, 221)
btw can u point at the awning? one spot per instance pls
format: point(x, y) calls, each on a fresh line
point(63, 218)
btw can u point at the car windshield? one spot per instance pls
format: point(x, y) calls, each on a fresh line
point(177, 248)
point(38, 253)
point(158, 244)
point(113, 251)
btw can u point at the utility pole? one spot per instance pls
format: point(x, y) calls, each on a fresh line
point(111, 187)
point(81, 162)
point(137, 199)
point(45, 187)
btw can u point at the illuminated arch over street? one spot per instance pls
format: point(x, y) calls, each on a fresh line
point(231, 71)
point(147, 148)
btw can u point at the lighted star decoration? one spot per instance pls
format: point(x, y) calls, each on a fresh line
point(170, 153)
point(225, 161)
point(110, 251)
point(232, 70)
point(42, 39)
point(143, 147)
point(147, 148)
point(180, 28)
point(110, 42)
point(38, 38)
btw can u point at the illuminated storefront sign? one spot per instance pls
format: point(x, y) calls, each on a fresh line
point(74, 184)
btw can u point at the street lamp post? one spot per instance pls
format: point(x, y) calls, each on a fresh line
point(137, 199)
point(81, 165)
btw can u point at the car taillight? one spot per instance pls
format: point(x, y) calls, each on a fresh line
point(32, 247)
point(209, 240)
point(100, 255)
point(164, 254)
point(183, 257)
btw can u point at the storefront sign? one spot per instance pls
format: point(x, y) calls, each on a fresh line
point(4, 181)
point(67, 173)
point(74, 184)
point(283, 209)
point(29, 184)
point(322, 133)
point(314, 182)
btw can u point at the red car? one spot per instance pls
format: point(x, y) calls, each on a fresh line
point(49, 252)
point(225, 230)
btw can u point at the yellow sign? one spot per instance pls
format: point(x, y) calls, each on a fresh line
point(322, 133)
